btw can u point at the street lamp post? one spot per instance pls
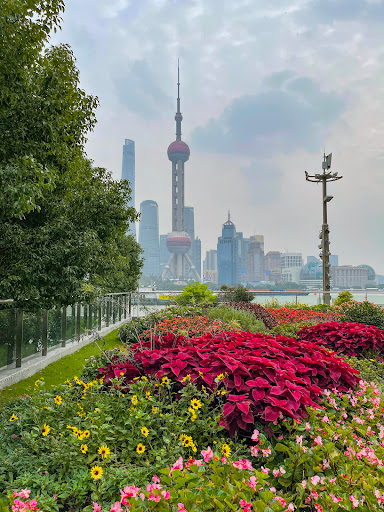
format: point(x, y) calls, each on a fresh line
point(323, 178)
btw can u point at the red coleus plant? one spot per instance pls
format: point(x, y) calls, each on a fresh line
point(260, 377)
point(289, 316)
point(349, 338)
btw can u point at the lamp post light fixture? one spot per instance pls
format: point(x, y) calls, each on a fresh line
point(323, 178)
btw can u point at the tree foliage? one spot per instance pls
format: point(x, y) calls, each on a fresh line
point(63, 222)
point(235, 294)
point(196, 294)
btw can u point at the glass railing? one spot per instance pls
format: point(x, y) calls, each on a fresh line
point(24, 334)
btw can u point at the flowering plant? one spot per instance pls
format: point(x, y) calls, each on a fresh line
point(309, 316)
point(351, 339)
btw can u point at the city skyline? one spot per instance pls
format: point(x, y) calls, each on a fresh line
point(266, 89)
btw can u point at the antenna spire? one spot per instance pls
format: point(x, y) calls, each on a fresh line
point(178, 116)
point(178, 80)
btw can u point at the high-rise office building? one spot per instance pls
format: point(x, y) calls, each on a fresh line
point(128, 173)
point(210, 262)
point(255, 259)
point(149, 237)
point(228, 254)
point(242, 247)
point(272, 265)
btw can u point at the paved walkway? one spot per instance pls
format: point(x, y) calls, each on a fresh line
point(36, 362)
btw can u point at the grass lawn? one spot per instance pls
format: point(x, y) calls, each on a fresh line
point(56, 373)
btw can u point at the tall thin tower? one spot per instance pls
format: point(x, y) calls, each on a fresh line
point(128, 173)
point(178, 242)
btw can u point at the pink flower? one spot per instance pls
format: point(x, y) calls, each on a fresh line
point(181, 508)
point(116, 507)
point(307, 426)
point(281, 500)
point(156, 479)
point(245, 506)
point(304, 484)
point(153, 497)
point(291, 507)
point(318, 440)
point(255, 435)
point(252, 482)
point(266, 453)
point(165, 494)
point(265, 470)
point(24, 493)
point(96, 507)
point(315, 479)
point(207, 454)
point(354, 500)
point(299, 440)
point(254, 451)
point(179, 464)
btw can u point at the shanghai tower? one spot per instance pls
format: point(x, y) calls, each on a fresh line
point(178, 242)
point(128, 173)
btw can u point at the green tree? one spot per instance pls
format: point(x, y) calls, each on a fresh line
point(343, 297)
point(63, 222)
point(235, 294)
point(196, 294)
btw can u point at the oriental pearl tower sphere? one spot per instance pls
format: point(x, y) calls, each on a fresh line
point(178, 242)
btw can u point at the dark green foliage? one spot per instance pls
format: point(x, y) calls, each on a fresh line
point(62, 221)
point(371, 369)
point(364, 313)
point(235, 294)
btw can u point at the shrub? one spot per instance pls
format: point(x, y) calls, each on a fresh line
point(343, 297)
point(351, 339)
point(262, 378)
point(196, 294)
point(260, 313)
point(363, 312)
point(235, 294)
point(245, 319)
point(50, 442)
point(333, 460)
point(309, 316)
point(371, 370)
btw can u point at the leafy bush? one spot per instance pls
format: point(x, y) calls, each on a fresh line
point(50, 442)
point(309, 316)
point(371, 370)
point(363, 312)
point(132, 331)
point(287, 329)
point(245, 319)
point(196, 294)
point(343, 297)
point(235, 294)
point(262, 378)
point(351, 339)
point(256, 309)
point(333, 460)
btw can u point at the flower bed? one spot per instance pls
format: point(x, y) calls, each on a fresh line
point(262, 378)
point(350, 338)
point(309, 316)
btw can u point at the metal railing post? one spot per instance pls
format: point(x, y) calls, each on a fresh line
point(44, 334)
point(78, 318)
point(12, 336)
point(99, 317)
point(64, 326)
point(113, 311)
point(108, 312)
point(19, 336)
point(90, 318)
point(125, 307)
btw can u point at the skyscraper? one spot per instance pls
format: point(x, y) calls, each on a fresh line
point(128, 172)
point(149, 237)
point(255, 259)
point(227, 254)
point(179, 242)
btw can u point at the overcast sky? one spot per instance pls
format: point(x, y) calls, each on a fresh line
point(265, 87)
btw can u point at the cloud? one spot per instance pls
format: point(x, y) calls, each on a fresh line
point(290, 113)
point(264, 180)
point(139, 90)
point(329, 11)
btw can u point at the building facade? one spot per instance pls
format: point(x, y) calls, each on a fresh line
point(128, 173)
point(227, 255)
point(347, 276)
point(272, 266)
point(149, 237)
point(210, 261)
point(255, 259)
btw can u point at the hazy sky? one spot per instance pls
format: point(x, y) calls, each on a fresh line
point(265, 87)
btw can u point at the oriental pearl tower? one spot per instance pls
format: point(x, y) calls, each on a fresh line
point(178, 242)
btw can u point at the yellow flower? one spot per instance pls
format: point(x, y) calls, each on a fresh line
point(226, 450)
point(86, 433)
point(136, 378)
point(196, 404)
point(84, 448)
point(144, 377)
point(165, 380)
point(223, 392)
point(121, 374)
point(67, 381)
point(203, 389)
point(193, 417)
point(140, 448)
point(46, 430)
point(154, 409)
point(372, 360)
point(201, 374)
point(96, 410)
point(104, 451)
point(220, 376)
point(144, 431)
point(58, 400)
point(37, 382)
point(13, 417)
point(134, 400)
point(96, 472)
point(70, 385)
point(187, 378)
point(148, 395)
